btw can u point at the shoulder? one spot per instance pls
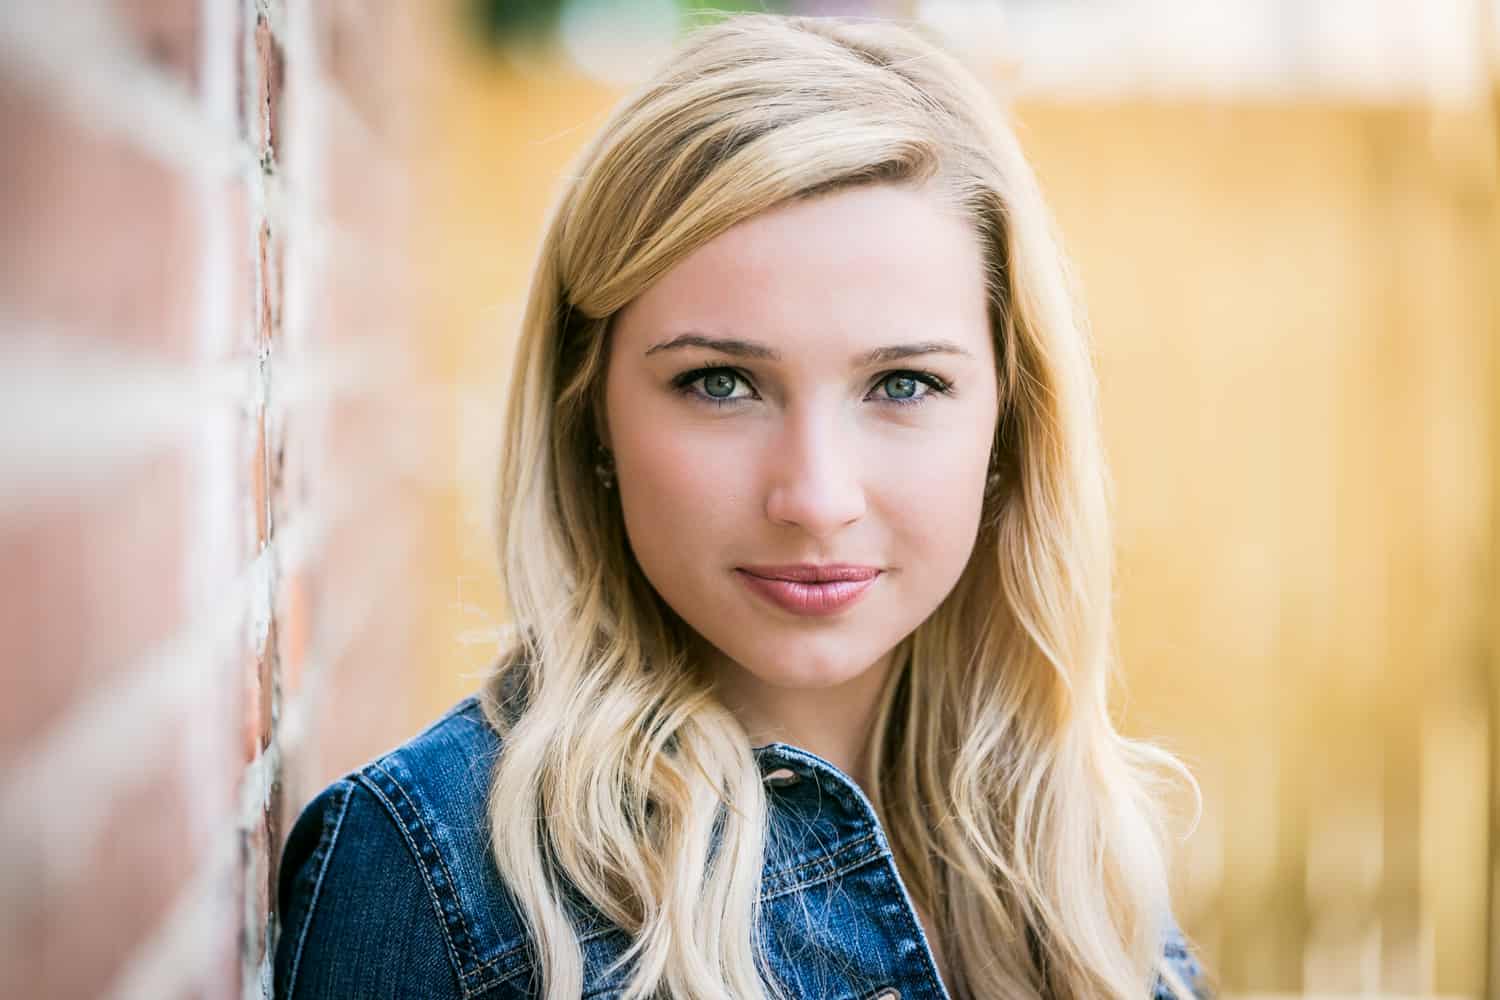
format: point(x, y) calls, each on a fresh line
point(1178, 958)
point(386, 884)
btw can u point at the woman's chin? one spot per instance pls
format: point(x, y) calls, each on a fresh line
point(794, 669)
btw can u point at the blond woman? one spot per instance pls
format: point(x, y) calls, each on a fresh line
point(803, 524)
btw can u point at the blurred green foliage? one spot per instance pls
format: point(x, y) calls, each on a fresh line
point(507, 21)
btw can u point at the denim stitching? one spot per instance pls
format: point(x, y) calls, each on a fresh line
point(374, 784)
point(504, 977)
point(465, 944)
point(823, 859)
point(486, 989)
point(828, 877)
point(442, 861)
point(928, 959)
point(324, 852)
point(830, 861)
point(780, 875)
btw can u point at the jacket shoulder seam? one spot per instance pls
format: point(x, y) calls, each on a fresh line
point(437, 878)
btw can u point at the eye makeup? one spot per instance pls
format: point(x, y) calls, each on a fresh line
point(688, 384)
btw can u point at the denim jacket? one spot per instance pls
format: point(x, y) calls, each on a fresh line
point(387, 887)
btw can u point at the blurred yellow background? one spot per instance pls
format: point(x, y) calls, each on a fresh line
point(1291, 293)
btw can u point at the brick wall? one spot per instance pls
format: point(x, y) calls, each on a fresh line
point(212, 423)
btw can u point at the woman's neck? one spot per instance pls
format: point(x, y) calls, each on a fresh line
point(833, 722)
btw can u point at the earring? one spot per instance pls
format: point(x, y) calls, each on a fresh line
point(604, 466)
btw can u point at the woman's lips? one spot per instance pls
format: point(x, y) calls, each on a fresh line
point(836, 590)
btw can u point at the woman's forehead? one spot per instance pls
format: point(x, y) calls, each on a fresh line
point(849, 271)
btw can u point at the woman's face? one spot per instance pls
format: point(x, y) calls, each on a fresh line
point(813, 388)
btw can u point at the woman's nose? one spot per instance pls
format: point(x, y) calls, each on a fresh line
point(814, 476)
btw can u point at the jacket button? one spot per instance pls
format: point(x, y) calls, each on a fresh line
point(782, 777)
point(887, 994)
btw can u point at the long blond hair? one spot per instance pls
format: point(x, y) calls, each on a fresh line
point(1023, 822)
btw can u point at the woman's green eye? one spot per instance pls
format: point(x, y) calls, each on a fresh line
point(901, 387)
point(719, 385)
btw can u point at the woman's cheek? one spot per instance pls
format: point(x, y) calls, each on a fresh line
point(679, 490)
point(938, 506)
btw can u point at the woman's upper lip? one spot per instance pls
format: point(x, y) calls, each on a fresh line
point(813, 572)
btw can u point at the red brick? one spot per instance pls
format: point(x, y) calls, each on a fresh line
point(272, 258)
point(270, 73)
point(367, 189)
point(279, 504)
point(223, 975)
point(75, 938)
point(368, 61)
point(100, 239)
point(104, 241)
point(300, 461)
point(91, 584)
point(368, 121)
point(369, 684)
point(294, 615)
point(259, 681)
point(167, 33)
point(257, 870)
point(256, 476)
point(275, 830)
point(232, 210)
point(301, 778)
point(260, 658)
point(365, 311)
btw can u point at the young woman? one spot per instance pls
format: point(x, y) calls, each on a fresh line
point(803, 524)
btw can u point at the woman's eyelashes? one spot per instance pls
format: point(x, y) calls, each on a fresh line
point(713, 385)
point(719, 386)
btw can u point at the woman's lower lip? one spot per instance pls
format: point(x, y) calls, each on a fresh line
point(811, 599)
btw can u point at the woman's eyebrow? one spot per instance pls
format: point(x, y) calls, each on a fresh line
point(738, 348)
point(724, 345)
point(895, 352)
